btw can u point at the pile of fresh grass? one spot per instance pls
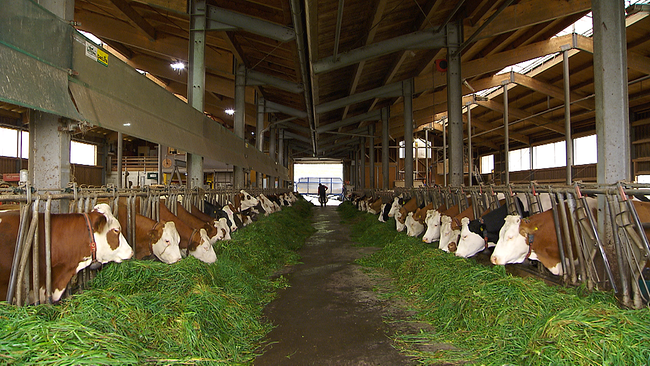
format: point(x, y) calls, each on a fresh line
point(148, 312)
point(489, 317)
point(381, 233)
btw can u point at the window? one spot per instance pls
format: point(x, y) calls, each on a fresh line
point(549, 155)
point(10, 140)
point(585, 150)
point(419, 149)
point(487, 164)
point(519, 160)
point(83, 154)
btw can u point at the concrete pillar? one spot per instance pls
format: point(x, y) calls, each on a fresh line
point(455, 104)
point(49, 157)
point(407, 93)
point(64, 9)
point(196, 82)
point(240, 119)
point(371, 150)
point(259, 135)
point(385, 167)
point(610, 83)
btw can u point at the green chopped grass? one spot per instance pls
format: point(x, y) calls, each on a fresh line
point(488, 317)
point(145, 312)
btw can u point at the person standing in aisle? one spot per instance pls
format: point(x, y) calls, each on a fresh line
point(322, 194)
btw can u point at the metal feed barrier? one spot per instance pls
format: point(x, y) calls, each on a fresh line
point(76, 199)
point(616, 263)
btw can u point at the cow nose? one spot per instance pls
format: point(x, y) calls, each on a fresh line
point(494, 260)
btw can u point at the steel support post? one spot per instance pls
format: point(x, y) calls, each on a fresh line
point(427, 149)
point(162, 152)
point(273, 137)
point(240, 119)
point(259, 136)
point(196, 82)
point(281, 154)
point(362, 149)
point(455, 103)
point(120, 159)
point(407, 94)
point(470, 161)
point(371, 153)
point(506, 134)
point(385, 156)
point(444, 151)
point(567, 118)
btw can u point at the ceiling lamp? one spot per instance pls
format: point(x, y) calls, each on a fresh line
point(178, 66)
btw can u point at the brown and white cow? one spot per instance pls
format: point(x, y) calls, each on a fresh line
point(448, 236)
point(400, 216)
point(415, 221)
point(221, 224)
point(514, 247)
point(516, 233)
point(72, 238)
point(160, 239)
point(470, 242)
point(432, 222)
point(194, 240)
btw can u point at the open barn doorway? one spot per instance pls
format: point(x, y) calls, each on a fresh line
point(307, 176)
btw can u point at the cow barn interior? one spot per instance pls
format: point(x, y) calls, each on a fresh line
point(185, 110)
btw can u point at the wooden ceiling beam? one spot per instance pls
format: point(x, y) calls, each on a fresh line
point(552, 90)
point(530, 12)
point(520, 114)
point(217, 60)
point(379, 12)
point(503, 59)
point(176, 6)
point(135, 18)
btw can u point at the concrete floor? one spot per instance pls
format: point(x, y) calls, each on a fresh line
point(331, 314)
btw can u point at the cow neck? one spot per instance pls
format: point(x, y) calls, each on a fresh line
point(151, 239)
point(93, 243)
point(529, 241)
point(190, 239)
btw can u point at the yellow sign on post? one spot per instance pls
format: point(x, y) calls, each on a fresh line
point(93, 52)
point(102, 57)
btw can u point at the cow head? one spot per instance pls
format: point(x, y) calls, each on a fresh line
point(433, 226)
point(448, 237)
point(231, 217)
point(222, 227)
point(512, 246)
point(201, 248)
point(399, 222)
point(246, 200)
point(165, 242)
point(413, 227)
point(111, 244)
point(394, 208)
point(469, 243)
